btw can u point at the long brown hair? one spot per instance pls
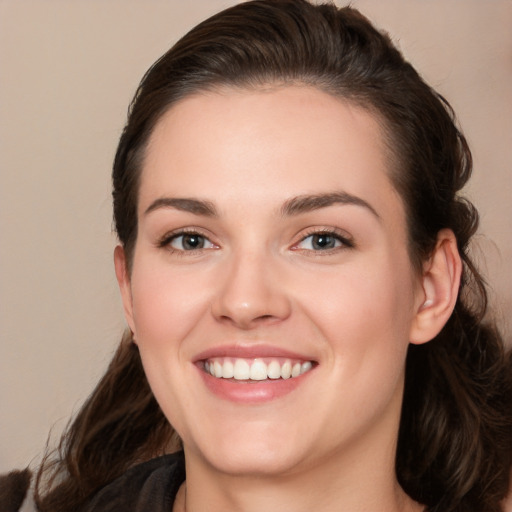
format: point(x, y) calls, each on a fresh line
point(455, 439)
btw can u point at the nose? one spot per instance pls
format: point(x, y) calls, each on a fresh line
point(252, 293)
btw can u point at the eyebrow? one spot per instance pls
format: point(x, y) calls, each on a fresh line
point(308, 203)
point(294, 206)
point(196, 206)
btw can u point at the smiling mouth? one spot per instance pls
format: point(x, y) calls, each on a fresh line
point(259, 369)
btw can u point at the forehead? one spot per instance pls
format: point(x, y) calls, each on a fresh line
point(271, 143)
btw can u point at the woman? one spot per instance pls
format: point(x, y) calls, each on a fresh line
point(294, 268)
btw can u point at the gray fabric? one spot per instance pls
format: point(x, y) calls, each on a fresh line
point(147, 487)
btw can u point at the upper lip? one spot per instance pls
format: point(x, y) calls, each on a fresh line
point(252, 351)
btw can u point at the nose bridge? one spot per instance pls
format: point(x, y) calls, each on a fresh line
point(251, 292)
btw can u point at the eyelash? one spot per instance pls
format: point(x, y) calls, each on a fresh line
point(345, 241)
point(167, 239)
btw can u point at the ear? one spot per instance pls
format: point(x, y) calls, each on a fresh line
point(123, 280)
point(439, 289)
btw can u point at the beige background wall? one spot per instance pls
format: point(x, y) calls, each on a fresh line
point(68, 69)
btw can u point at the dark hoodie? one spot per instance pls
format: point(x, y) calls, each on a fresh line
point(148, 487)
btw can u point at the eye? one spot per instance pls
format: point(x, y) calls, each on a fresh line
point(323, 241)
point(187, 242)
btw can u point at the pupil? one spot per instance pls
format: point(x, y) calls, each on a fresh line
point(323, 242)
point(193, 242)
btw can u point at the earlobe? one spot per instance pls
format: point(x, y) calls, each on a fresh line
point(440, 287)
point(123, 280)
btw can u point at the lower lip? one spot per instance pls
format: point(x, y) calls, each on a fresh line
point(252, 392)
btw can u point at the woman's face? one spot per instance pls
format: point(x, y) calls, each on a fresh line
point(272, 251)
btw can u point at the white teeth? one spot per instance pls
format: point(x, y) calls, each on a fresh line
point(242, 370)
point(286, 370)
point(257, 369)
point(217, 369)
point(274, 370)
point(228, 370)
point(306, 367)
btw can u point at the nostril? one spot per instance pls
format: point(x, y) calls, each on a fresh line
point(265, 319)
point(249, 322)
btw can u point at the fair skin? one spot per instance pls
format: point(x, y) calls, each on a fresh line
point(294, 254)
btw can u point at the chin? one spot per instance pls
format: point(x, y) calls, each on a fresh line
point(253, 452)
point(254, 462)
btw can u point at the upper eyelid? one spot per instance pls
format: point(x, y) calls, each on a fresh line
point(171, 235)
point(347, 240)
point(188, 230)
point(345, 237)
point(339, 233)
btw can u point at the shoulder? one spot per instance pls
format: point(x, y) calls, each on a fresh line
point(13, 489)
point(147, 487)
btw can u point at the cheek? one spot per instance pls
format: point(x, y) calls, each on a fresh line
point(365, 308)
point(166, 304)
